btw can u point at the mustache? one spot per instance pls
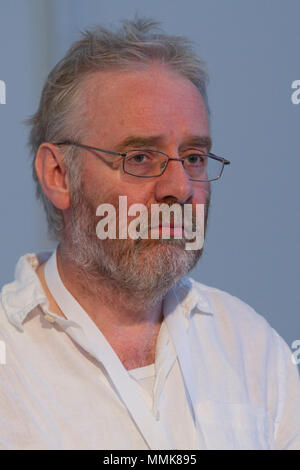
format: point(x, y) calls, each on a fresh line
point(144, 219)
point(185, 218)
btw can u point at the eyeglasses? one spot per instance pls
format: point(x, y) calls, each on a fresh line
point(145, 163)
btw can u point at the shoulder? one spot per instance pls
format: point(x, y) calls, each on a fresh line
point(234, 315)
point(246, 336)
point(238, 323)
point(227, 304)
point(20, 296)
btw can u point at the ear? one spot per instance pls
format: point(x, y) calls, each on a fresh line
point(51, 172)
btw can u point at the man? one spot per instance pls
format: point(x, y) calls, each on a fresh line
point(109, 345)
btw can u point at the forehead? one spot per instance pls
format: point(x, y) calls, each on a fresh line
point(150, 100)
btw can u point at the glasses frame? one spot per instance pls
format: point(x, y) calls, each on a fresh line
point(124, 154)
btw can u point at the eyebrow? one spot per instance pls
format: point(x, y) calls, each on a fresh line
point(155, 141)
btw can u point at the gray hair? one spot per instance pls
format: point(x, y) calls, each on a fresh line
point(139, 41)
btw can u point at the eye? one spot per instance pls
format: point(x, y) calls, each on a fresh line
point(138, 158)
point(195, 159)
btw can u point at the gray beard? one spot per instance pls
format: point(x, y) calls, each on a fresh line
point(144, 270)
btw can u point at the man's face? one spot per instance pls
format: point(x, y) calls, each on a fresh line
point(168, 112)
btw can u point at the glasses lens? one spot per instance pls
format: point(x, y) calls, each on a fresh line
point(152, 163)
point(202, 167)
point(145, 163)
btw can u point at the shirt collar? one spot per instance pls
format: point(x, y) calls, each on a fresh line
point(193, 297)
point(25, 293)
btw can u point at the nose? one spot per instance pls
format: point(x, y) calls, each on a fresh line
point(174, 183)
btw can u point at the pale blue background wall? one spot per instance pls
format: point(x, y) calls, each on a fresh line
point(252, 51)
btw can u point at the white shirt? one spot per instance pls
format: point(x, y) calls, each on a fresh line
point(54, 394)
point(145, 377)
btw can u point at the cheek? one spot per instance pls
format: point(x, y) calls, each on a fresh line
point(95, 185)
point(137, 190)
point(102, 186)
point(201, 193)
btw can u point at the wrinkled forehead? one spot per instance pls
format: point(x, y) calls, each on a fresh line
point(145, 85)
point(154, 100)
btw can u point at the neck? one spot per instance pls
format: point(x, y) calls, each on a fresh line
point(129, 325)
